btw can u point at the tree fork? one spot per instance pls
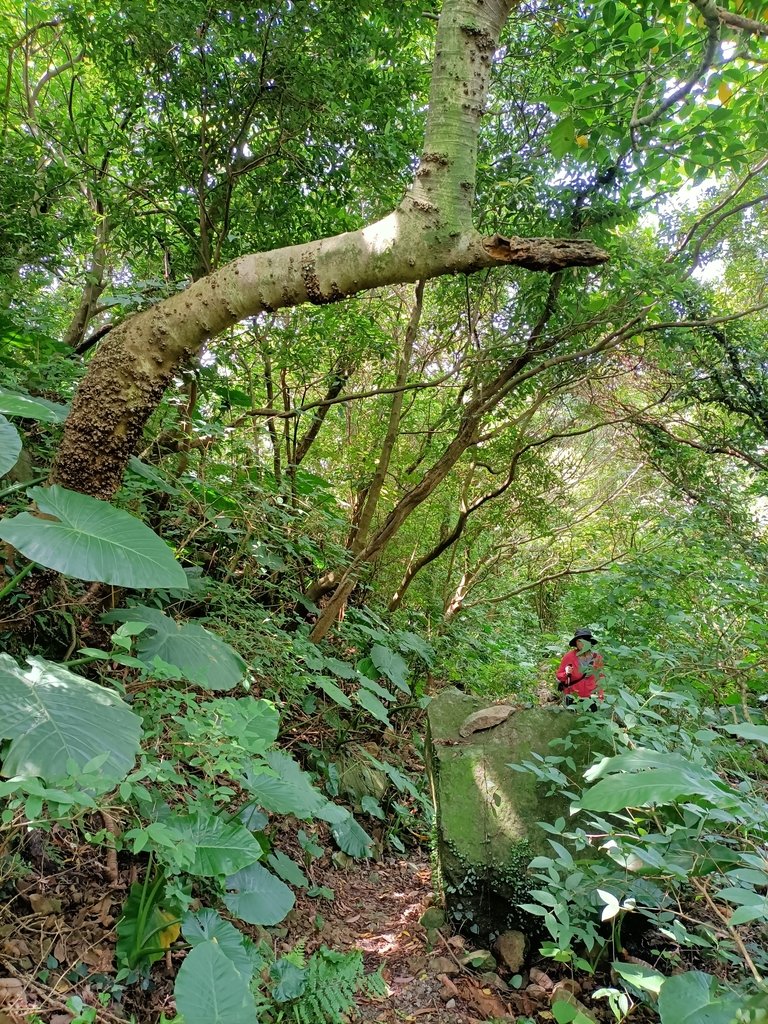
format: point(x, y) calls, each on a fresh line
point(429, 234)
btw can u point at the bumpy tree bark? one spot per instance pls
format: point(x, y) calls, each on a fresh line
point(429, 234)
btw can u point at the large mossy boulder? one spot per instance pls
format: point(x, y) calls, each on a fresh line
point(487, 813)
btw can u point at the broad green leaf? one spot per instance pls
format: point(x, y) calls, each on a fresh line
point(288, 791)
point(290, 980)
point(256, 896)
point(413, 642)
point(14, 403)
point(53, 718)
point(748, 731)
point(340, 668)
point(391, 665)
point(333, 691)
point(207, 926)
point(750, 912)
point(146, 927)
point(367, 700)
point(690, 998)
point(562, 138)
point(371, 805)
point(641, 977)
point(199, 655)
point(351, 838)
point(374, 687)
point(10, 446)
point(566, 1013)
point(210, 990)
point(91, 540)
point(653, 786)
point(221, 848)
point(287, 869)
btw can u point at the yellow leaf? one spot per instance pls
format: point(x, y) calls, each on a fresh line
point(171, 932)
point(724, 92)
point(582, 141)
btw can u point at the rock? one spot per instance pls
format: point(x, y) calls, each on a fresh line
point(479, 960)
point(432, 919)
point(567, 985)
point(442, 965)
point(486, 813)
point(561, 993)
point(540, 978)
point(451, 1004)
point(511, 947)
point(491, 980)
point(485, 718)
point(449, 990)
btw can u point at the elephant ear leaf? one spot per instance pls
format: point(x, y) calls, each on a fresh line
point(10, 446)
point(200, 656)
point(91, 540)
point(55, 718)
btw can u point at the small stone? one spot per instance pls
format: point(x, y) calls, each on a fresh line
point(540, 978)
point(569, 985)
point(491, 980)
point(433, 918)
point(561, 993)
point(485, 718)
point(479, 960)
point(442, 965)
point(451, 1004)
point(511, 947)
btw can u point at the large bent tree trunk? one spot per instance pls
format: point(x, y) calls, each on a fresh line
point(430, 233)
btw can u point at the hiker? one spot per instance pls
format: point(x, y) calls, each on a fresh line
point(581, 668)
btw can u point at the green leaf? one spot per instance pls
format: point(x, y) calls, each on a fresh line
point(373, 686)
point(751, 912)
point(690, 998)
point(332, 690)
point(351, 838)
point(653, 786)
point(287, 869)
point(256, 896)
point(635, 32)
point(371, 805)
point(367, 700)
point(14, 403)
point(391, 665)
point(288, 791)
point(748, 731)
point(54, 717)
point(210, 990)
point(199, 655)
point(290, 980)
point(91, 540)
point(566, 1013)
point(562, 138)
point(641, 977)
point(10, 446)
point(221, 848)
point(207, 926)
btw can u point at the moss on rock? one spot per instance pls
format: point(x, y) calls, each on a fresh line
point(486, 813)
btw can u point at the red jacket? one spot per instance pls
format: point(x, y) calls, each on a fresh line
point(581, 685)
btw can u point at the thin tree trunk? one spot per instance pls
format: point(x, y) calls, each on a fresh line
point(340, 377)
point(370, 504)
point(95, 284)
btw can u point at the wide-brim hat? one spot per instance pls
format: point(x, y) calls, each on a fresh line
point(582, 634)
